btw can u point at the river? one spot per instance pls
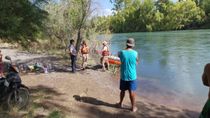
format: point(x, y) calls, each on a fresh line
point(171, 65)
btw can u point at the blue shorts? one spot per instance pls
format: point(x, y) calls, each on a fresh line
point(128, 85)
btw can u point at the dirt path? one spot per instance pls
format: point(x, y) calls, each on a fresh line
point(86, 94)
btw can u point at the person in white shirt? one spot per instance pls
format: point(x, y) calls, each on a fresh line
point(73, 55)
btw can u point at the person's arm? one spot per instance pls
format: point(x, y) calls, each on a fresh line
point(88, 49)
point(105, 48)
point(137, 60)
point(205, 80)
point(70, 49)
point(205, 76)
point(118, 54)
point(80, 51)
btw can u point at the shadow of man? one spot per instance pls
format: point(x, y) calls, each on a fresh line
point(95, 101)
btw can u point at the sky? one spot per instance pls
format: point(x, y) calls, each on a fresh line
point(104, 7)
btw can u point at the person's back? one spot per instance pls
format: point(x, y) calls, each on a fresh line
point(128, 64)
point(128, 58)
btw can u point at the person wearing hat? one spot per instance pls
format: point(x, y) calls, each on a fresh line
point(105, 54)
point(128, 76)
point(206, 81)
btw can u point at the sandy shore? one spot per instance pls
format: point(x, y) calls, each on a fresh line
point(86, 94)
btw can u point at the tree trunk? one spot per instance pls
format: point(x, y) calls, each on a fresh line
point(79, 40)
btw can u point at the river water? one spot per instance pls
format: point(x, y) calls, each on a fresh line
point(171, 65)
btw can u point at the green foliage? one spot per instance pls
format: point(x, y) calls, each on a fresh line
point(67, 20)
point(57, 27)
point(152, 15)
point(26, 21)
point(78, 15)
point(56, 114)
point(21, 20)
point(205, 5)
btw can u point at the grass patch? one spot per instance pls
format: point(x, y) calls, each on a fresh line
point(56, 114)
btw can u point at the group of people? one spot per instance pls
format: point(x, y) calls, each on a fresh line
point(128, 76)
point(84, 50)
point(73, 54)
point(128, 58)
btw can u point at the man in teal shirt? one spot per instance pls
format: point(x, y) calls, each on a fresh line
point(129, 59)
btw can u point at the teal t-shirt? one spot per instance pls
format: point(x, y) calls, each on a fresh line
point(128, 60)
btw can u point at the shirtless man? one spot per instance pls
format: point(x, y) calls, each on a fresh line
point(206, 81)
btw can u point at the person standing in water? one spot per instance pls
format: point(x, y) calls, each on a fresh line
point(206, 81)
point(128, 76)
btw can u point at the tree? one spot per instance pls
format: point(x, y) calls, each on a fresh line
point(205, 5)
point(77, 13)
point(58, 27)
point(67, 18)
point(121, 4)
point(21, 20)
point(155, 15)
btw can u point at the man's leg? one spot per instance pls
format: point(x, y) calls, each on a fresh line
point(83, 61)
point(103, 63)
point(122, 95)
point(75, 59)
point(132, 89)
point(132, 99)
point(73, 63)
point(107, 61)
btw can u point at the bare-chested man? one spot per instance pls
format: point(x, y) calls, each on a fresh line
point(206, 81)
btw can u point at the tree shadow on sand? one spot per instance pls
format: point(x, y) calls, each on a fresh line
point(45, 97)
point(145, 110)
point(43, 100)
point(95, 67)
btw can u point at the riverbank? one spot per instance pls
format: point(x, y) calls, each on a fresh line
point(86, 94)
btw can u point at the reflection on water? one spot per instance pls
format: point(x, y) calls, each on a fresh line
point(171, 65)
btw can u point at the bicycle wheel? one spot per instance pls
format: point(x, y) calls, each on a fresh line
point(18, 98)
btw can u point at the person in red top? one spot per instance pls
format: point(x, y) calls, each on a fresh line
point(105, 54)
point(1, 65)
point(84, 51)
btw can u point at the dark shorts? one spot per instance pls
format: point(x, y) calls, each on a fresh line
point(128, 85)
point(1, 67)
